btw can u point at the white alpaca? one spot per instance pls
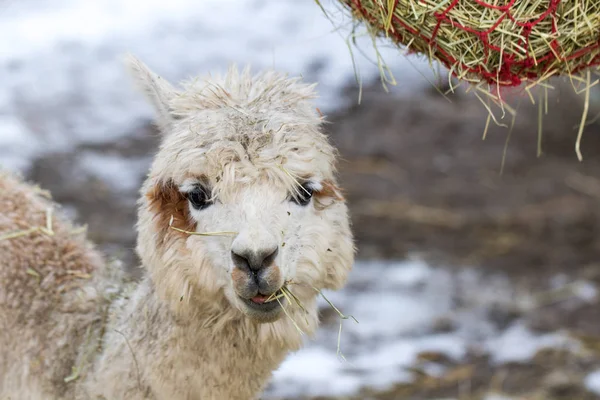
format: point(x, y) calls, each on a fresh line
point(243, 156)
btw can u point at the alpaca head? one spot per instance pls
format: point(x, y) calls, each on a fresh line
point(243, 159)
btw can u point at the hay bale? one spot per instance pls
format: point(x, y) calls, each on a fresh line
point(499, 42)
point(496, 44)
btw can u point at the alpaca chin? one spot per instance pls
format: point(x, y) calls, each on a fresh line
point(258, 313)
point(262, 315)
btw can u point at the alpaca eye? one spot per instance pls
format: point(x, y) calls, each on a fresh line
point(303, 196)
point(198, 198)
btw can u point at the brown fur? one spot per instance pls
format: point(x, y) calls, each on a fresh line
point(328, 195)
point(166, 202)
point(331, 190)
point(46, 308)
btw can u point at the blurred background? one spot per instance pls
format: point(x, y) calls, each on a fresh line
point(469, 284)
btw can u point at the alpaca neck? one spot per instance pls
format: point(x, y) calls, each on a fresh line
point(201, 349)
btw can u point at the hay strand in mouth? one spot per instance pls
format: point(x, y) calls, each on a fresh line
point(277, 295)
point(342, 315)
point(222, 233)
point(292, 297)
point(290, 317)
point(47, 230)
point(342, 318)
point(285, 292)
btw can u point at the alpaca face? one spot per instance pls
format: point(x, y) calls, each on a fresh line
point(244, 164)
point(277, 238)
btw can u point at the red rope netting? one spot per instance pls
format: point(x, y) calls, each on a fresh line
point(497, 65)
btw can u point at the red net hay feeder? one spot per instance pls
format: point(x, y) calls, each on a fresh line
point(495, 44)
point(504, 43)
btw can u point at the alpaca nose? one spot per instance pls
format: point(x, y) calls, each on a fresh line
point(254, 261)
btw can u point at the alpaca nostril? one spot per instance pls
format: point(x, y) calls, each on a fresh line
point(254, 260)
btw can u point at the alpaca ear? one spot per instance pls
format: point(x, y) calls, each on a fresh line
point(157, 90)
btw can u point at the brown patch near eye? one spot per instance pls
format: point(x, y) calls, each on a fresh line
point(329, 191)
point(165, 200)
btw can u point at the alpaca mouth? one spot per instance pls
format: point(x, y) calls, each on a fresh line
point(265, 303)
point(260, 299)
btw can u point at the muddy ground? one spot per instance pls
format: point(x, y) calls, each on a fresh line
point(420, 179)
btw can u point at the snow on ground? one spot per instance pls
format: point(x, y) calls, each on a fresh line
point(592, 382)
point(399, 306)
point(63, 82)
point(503, 349)
point(497, 397)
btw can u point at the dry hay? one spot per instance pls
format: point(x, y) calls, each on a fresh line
point(292, 299)
point(47, 230)
point(494, 44)
point(221, 233)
